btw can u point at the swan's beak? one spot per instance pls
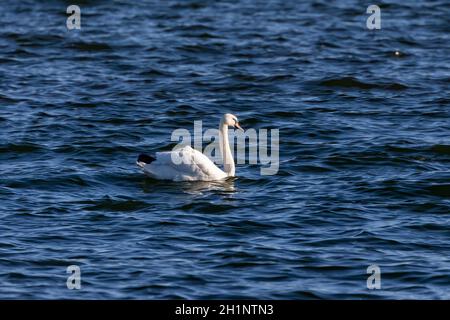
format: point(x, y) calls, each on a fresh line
point(238, 126)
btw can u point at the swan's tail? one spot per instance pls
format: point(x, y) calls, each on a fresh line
point(144, 159)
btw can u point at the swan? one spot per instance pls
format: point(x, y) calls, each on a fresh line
point(195, 166)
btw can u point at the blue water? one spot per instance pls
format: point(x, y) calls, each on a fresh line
point(364, 149)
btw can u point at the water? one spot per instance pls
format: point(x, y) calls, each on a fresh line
point(364, 149)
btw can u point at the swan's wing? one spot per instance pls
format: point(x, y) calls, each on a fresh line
point(183, 164)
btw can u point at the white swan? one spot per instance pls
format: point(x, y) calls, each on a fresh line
point(195, 166)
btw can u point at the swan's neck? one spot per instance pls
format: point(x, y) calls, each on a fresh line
point(227, 157)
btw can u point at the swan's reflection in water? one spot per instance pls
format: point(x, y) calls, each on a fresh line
point(190, 187)
point(200, 187)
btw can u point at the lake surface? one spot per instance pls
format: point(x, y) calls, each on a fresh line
point(364, 126)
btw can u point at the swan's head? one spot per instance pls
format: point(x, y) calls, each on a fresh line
point(231, 120)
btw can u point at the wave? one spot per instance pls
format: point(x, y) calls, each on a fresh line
point(351, 82)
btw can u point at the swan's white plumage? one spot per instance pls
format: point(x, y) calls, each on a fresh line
point(195, 166)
